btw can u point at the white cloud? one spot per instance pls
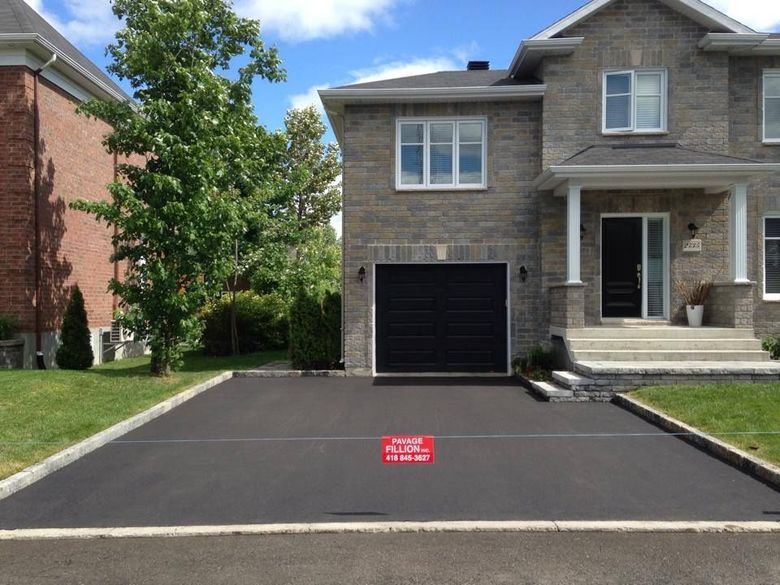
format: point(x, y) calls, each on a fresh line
point(761, 15)
point(391, 70)
point(302, 20)
point(84, 22)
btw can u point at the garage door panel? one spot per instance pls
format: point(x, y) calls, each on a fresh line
point(441, 318)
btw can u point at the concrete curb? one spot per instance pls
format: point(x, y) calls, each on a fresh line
point(391, 527)
point(728, 453)
point(59, 460)
point(290, 374)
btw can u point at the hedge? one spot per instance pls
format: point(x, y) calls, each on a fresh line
point(261, 321)
point(315, 331)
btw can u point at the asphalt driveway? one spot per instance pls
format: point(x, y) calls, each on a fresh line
point(307, 450)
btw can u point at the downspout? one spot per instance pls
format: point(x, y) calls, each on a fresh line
point(37, 212)
point(114, 299)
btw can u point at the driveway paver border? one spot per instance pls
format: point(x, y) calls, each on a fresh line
point(39, 470)
point(737, 457)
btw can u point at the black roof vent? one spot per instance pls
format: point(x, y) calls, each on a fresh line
point(478, 66)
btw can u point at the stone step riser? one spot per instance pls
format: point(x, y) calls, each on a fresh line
point(658, 332)
point(669, 356)
point(578, 345)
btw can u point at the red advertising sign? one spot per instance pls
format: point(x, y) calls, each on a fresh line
point(407, 449)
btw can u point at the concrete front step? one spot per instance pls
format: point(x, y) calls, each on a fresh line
point(612, 355)
point(551, 391)
point(739, 344)
point(595, 369)
point(571, 380)
point(658, 332)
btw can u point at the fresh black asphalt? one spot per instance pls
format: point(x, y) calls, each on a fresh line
point(210, 461)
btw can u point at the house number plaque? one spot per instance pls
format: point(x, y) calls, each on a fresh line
point(693, 245)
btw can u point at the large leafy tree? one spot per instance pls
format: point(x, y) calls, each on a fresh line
point(298, 248)
point(178, 213)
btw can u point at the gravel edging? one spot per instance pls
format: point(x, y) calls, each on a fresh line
point(503, 526)
point(39, 470)
point(738, 458)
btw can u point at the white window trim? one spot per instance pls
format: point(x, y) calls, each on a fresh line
point(767, 296)
point(767, 73)
point(663, 129)
point(426, 185)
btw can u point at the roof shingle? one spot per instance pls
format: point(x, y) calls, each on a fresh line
point(664, 153)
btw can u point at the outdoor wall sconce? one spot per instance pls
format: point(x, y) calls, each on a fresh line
point(362, 273)
point(523, 273)
point(694, 228)
point(582, 232)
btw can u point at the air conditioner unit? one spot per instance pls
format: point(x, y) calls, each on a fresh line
point(117, 333)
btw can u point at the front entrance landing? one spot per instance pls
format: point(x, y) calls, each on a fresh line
point(610, 358)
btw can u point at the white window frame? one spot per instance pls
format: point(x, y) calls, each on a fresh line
point(767, 296)
point(767, 73)
point(426, 184)
point(632, 129)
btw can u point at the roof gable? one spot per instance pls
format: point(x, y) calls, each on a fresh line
point(18, 18)
point(696, 10)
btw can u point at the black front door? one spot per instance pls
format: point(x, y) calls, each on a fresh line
point(621, 267)
point(441, 318)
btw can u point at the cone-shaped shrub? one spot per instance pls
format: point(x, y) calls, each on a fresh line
point(75, 351)
point(315, 331)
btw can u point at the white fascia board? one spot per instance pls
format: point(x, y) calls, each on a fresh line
point(432, 94)
point(71, 73)
point(733, 42)
point(531, 51)
point(650, 176)
point(694, 9)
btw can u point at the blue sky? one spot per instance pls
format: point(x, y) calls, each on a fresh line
point(334, 42)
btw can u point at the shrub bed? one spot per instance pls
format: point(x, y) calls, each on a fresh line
point(315, 331)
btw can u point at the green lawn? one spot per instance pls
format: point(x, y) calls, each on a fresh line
point(42, 412)
point(725, 408)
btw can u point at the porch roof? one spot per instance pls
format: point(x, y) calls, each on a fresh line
point(651, 166)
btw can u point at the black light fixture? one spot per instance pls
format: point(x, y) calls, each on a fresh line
point(693, 228)
point(582, 232)
point(362, 273)
point(523, 273)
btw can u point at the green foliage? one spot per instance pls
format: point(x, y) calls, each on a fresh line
point(537, 364)
point(315, 331)
point(199, 152)
point(315, 266)
point(75, 350)
point(261, 321)
point(9, 326)
point(298, 248)
point(772, 345)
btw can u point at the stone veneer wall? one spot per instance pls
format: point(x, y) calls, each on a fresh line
point(500, 223)
point(730, 305)
point(745, 140)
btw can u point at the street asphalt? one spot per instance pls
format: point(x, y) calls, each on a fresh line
point(398, 559)
point(308, 450)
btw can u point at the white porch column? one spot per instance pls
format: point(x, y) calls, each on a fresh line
point(738, 232)
point(573, 235)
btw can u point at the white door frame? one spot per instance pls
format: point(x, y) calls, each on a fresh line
point(667, 264)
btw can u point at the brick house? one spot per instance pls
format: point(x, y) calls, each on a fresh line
point(628, 146)
point(45, 247)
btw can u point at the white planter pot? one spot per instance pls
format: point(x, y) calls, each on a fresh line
point(695, 315)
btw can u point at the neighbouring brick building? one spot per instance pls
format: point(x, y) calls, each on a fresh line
point(630, 145)
point(36, 273)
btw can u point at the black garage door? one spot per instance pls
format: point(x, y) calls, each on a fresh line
point(441, 318)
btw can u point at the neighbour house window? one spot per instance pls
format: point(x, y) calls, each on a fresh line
point(435, 154)
point(634, 101)
point(772, 106)
point(772, 258)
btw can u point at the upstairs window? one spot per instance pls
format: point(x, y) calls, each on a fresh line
point(441, 153)
point(634, 101)
point(772, 106)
